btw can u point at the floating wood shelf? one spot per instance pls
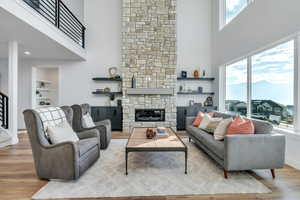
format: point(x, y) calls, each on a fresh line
point(150, 91)
point(107, 79)
point(44, 81)
point(107, 93)
point(196, 93)
point(195, 79)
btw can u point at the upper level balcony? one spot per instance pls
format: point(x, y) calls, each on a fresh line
point(58, 14)
point(46, 28)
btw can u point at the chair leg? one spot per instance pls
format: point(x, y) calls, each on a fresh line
point(273, 173)
point(225, 174)
point(190, 139)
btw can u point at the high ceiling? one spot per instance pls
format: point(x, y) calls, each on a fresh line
point(38, 44)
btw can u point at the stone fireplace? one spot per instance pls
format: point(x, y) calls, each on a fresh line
point(149, 54)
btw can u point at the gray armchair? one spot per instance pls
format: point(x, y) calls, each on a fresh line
point(66, 161)
point(104, 127)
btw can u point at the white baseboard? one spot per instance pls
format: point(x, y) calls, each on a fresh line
point(293, 163)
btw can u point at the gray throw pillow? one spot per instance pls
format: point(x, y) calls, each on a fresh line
point(87, 121)
point(62, 133)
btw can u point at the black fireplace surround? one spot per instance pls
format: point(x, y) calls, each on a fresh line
point(150, 115)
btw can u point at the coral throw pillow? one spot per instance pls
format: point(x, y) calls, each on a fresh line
point(198, 119)
point(240, 126)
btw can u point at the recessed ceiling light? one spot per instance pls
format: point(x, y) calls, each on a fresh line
point(27, 53)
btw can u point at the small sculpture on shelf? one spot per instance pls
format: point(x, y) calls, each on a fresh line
point(209, 101)
point(133, 82)
point(107, 90)
point(180, 88)
point(183, 74)
point(196, 74)
point(191, 102)
point(113, 73)
point(200, 89)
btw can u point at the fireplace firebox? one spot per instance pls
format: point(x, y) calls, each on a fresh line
point(149, 115)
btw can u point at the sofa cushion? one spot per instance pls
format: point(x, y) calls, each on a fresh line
point(207, 120)
point(86, 145)
point(198, 119)
point(240, 126)
point(221, 129)
point(217, 147)
point(260, 127)
point(223, 115)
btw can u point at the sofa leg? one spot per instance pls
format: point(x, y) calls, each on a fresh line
point(273, 173)
point(225, 174)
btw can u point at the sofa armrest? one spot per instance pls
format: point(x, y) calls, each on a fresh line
point(189, 121)
point(257, 151)
point(88, 133)
point(59, 161)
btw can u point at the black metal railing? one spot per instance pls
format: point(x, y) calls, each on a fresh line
point(4, 110)
point(56, 12)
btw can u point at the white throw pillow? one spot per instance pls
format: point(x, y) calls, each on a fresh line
point(206, 120)
point(87, 121)
point(62, 133)
point(221, 129)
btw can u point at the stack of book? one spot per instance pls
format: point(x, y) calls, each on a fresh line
point(161, 131)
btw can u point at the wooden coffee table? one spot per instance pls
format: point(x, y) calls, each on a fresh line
point(138, 142)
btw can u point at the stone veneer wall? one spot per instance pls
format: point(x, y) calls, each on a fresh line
point(149, 53)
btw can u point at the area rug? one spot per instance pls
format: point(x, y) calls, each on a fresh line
point(151, 174)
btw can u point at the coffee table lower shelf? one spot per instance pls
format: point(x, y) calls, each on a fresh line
point(128, 150)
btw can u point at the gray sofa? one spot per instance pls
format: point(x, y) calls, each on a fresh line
point(66, 161)
point(263, 150)
point(104, 127)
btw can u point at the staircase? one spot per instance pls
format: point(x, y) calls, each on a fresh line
point(5, 138)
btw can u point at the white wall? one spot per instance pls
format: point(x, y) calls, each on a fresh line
point(77, 8)
point(103, 21)
point(194, 32)
point(103, 45)
point(260, 24)
point(4, 76)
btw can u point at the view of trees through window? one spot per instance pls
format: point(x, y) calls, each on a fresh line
point(272, 84)
point(236, 87)
point(233, 8)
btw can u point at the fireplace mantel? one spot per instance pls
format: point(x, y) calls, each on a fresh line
point(150, 91)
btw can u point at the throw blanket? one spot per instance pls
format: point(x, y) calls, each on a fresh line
point(51, 117)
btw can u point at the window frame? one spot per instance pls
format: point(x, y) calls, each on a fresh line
point(222, 83)
point(223, 13)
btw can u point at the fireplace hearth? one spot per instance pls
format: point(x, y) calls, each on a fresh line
point(149, 115)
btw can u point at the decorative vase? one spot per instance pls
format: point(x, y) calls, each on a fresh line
point(196, 74)
point(133, 82)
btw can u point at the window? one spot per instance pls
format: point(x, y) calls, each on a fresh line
point(236, 88)
point(265, 87)
point(273, 85)
point(233, 8)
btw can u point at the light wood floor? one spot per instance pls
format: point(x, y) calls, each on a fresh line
point(19, 182)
